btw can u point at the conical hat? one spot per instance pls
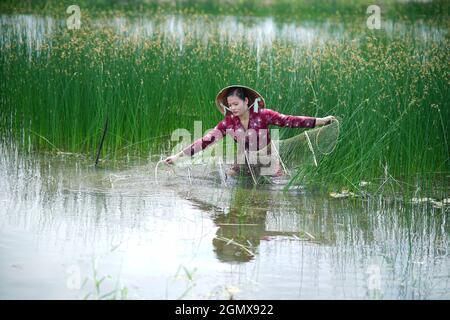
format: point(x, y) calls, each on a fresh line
point(221, 98)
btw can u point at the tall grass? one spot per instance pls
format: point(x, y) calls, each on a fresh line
point(284, 9)
point(391, 92)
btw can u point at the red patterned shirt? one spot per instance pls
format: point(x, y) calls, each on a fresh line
point(256, 136)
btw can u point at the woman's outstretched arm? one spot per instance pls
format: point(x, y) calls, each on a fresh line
point(283, 120)
point(211, 137)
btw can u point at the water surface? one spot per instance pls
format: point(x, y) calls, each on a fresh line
point(62, 220)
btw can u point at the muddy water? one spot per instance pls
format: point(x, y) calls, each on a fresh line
point(69, 230)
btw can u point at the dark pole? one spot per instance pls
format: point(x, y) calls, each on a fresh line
point(101, 142)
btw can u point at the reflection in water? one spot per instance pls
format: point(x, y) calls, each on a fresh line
point(244, 223)
point(58, 212)
point(377, 248)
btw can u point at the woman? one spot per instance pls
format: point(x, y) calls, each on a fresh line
point(247, 121)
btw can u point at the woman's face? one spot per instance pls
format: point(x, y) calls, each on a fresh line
point(237, 106)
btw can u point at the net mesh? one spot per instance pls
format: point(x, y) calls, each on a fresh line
point(281, 156)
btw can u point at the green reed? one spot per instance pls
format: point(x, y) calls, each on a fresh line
point(283, 9)
point(391, 93)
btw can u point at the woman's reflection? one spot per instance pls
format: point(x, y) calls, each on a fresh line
point(242, 227)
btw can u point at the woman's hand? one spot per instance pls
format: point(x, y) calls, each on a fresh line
point(174, 158)
point(325, 120)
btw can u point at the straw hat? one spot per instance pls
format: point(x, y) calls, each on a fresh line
point(252, 95)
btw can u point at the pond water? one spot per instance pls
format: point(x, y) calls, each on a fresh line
point(258, 32)
point(65, 224)
point(69, 230)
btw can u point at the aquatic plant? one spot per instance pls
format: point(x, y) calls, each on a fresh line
point(391, 92)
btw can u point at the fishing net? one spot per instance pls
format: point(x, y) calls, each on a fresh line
point(282, 156)
point(307, 148)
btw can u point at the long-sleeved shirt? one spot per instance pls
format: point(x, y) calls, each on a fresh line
point(256, 136)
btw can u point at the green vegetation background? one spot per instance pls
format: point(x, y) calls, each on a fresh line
point(391, 91)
